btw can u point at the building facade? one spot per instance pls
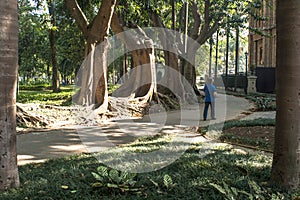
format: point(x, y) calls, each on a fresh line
point(262, 47)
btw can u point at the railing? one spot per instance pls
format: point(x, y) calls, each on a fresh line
point(229, 81)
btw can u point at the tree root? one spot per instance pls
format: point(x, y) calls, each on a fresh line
point(24, 119)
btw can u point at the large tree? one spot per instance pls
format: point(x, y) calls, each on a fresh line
point(93, 73)
point(141, 80)
point(286, 157)
point(9, 177)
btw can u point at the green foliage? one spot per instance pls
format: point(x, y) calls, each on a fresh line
point(113, 179)
point(34, 47)
point(112, 87)
point(33, 43)
point(263, 101)
point(166, 186)
point(255, 191)
point(265, 104)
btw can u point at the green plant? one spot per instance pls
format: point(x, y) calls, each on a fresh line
point(255, 191)
point(167, 184)
point(264, 104)
point(114, 179)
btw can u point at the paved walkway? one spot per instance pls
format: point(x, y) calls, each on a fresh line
point(263, 115)
point(42, 145)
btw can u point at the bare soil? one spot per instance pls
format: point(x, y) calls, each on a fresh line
point(255, 133)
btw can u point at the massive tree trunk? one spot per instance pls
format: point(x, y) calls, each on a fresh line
point(172, 75)
point(286, 157)
point(189, 67)
point(93, 73)
point(55, 78)
point(142, 79)
point(9, 177)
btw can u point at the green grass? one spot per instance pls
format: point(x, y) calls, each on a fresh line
point(223, 173)
point(43, 94)
point(239, 123)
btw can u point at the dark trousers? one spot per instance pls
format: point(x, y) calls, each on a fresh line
point(212, 109)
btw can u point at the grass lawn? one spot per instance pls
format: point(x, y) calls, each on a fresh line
point(44, 95)
point(221, 173)
point(202, 172)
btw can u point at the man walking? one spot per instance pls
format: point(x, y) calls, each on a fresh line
point(210, 95)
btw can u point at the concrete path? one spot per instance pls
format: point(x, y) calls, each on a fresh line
point(263, 115)
point(40, 146)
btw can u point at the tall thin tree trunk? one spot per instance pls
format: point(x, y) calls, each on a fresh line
point(210, 56)
point(217, 51)
point(227, 56)
point(227, 51)
point(286, 157)
point(55, 77)
point(9, 177)
point(237, 57)
point(173, 14)
point(186, 21)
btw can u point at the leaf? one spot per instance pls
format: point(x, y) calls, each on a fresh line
point(111, 185)
point(254, 186)
point(65, 187)
point(226, 187)
point(131, 182)
point(97, 177)
point(168, 182)
point(219, 188)
point(154, 183)
point(97, 185)
point(114, 175)
point(124, 176)
point(234, 191)
point(248, 194)
point(102, 171)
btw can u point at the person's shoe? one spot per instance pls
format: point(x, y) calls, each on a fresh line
point(204, 119)
point(213, 118)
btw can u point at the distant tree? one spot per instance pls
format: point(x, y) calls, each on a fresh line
point(34, 56)
point(286, 157)
point(9, 177)
point(52, 29)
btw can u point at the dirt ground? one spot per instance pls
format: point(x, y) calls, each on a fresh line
point(265, 133)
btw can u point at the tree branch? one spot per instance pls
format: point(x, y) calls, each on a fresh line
point(197, 21)
point(78, 15)
point(102, 21)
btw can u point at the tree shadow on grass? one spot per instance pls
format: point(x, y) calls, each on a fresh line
point(194, 175)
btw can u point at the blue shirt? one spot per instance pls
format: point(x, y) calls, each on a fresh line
point(209, 90)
